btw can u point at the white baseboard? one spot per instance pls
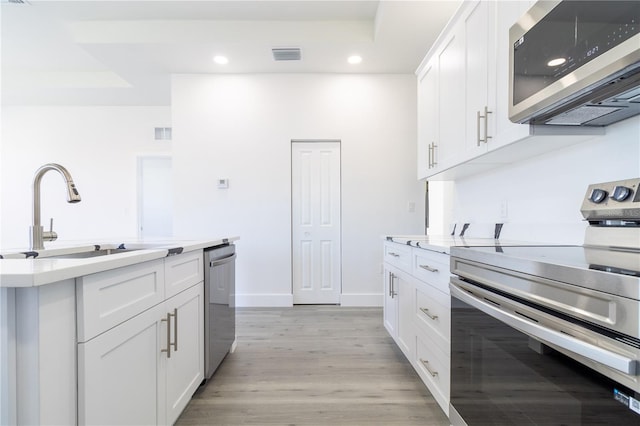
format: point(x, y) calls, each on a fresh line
point(370, 299)
point(286, 300)
point(264, 300)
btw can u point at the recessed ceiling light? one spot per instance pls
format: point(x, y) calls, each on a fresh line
point(556, 62)
point(220, 60)
point(355, 59)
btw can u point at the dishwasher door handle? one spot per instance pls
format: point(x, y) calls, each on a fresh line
point(222, 261)
point(577, 346)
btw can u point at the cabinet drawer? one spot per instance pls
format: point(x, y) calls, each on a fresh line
point(433, 366)
point(432, 268)
point(109, 298)
point(183, 271)
point(433, 314)
point(398, 255)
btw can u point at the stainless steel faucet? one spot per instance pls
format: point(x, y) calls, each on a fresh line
point(37, 234)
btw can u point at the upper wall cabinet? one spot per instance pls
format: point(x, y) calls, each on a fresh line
point(463, 124)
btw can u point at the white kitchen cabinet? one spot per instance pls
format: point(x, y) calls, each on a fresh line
point(479, 104)
point(463, 123)
point(398, 309)
point(108, 298)
point(417, 314)
point(440, 85)
point(145, 370)
point(390, 303)
point(504, 131)
point(120, 378)
point(185, 367)
point(398, 292)
point(428, 119)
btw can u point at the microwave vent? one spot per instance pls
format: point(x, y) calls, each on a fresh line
point(582, 115)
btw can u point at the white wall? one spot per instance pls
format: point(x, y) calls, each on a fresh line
point(240, 127)
point(544, 194)
point(98, 145)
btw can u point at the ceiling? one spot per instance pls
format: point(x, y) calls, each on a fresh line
point(124, 52)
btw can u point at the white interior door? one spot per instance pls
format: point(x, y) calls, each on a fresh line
point(155, 199)
point(316, 242)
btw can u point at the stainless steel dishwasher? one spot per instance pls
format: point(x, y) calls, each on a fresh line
point(220, 306)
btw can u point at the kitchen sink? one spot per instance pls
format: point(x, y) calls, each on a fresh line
point(89, 254)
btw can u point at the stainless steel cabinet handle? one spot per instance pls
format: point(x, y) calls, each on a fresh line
point(434, 162)
point(168, 350)
point(426, 312)
point(392, 285)
point(428, 268)
point(430, 155)
point(486, 125)
point(478, 139)
point(175, 328)
point(595, 353)
point(426, 365)
point(393, 254)
point(175, 332)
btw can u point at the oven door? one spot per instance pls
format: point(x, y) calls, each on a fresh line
point(503, 376)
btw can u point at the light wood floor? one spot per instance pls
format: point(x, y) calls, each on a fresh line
point(313, 365)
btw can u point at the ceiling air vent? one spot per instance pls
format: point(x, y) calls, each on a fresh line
point(286, 54)
point(163, 133)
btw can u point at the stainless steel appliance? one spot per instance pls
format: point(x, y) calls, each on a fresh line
point(575, 63)
point(551, 335)
point(220, 309)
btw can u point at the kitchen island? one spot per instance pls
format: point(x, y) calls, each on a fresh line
point(114, 339)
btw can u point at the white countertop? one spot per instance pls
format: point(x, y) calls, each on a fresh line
point(18, 270)
point(442, 243)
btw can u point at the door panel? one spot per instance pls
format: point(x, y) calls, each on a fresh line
point(316, 222)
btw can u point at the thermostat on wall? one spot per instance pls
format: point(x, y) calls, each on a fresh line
point(223, 183)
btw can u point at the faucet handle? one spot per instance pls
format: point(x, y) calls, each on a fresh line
point(50, 235)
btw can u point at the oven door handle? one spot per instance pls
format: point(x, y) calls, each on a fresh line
point(595, 353)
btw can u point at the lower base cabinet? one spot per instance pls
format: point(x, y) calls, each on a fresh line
point(417, 313)
point(145, 370)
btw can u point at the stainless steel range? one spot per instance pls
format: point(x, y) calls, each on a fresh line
point(551, 334)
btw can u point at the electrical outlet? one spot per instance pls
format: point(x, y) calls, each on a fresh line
point(504, 209)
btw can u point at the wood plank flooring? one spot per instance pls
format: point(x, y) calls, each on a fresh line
point(313, 365)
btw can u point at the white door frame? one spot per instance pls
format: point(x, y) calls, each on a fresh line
point(339, 239)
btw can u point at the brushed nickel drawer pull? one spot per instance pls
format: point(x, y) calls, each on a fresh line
point(426, 312)
point(426, 365)
point(429, 268)
point(393, 254)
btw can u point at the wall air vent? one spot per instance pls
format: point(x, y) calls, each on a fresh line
point(286, 54)
point(163, 133)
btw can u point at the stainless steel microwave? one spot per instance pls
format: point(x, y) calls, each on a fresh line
point(575, 63)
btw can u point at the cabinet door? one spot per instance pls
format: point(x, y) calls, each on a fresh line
point(406, 331)
point(185, 366)
point(505, 131)
point(451, 99)
point(390, 303)
point(427, 118)
point(479, 48)
point(119, 371)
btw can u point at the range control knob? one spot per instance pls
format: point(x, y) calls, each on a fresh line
point(598, 195)
point(621, 193)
